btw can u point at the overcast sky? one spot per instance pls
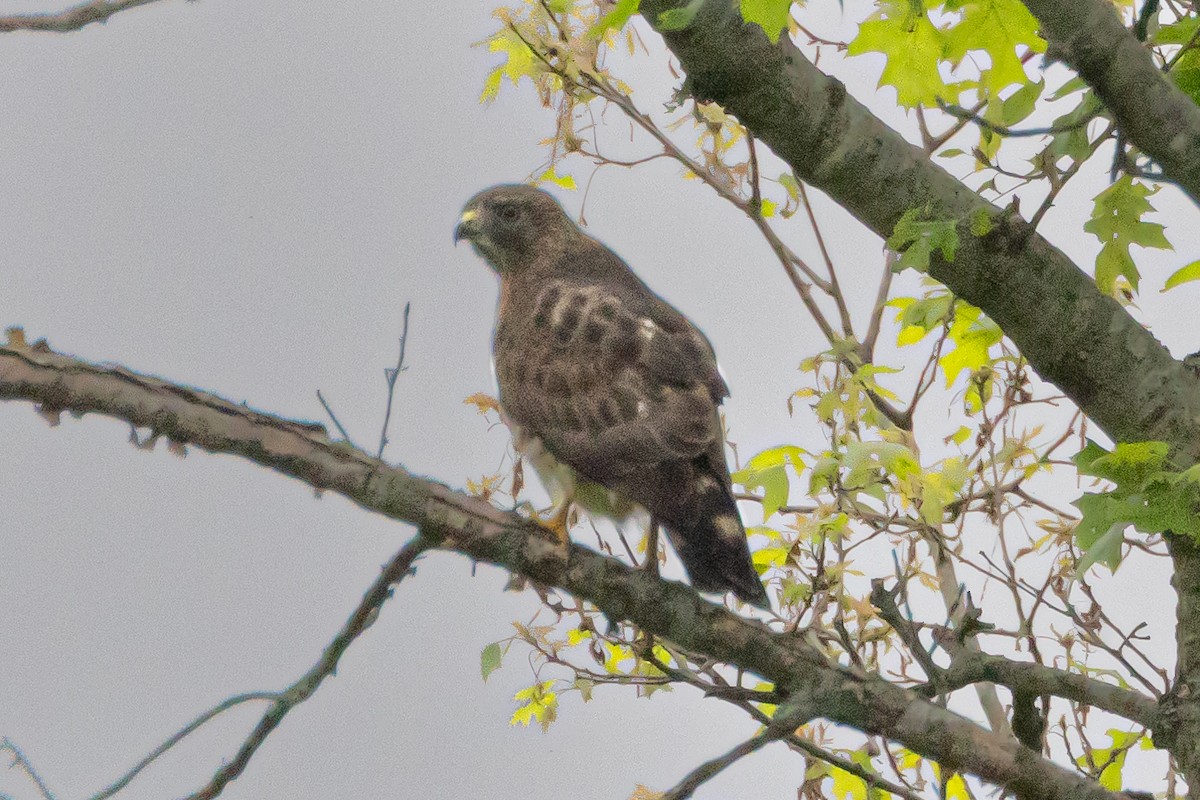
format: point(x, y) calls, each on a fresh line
point(241, 197)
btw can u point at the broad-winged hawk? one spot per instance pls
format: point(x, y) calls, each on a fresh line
point(610, 392)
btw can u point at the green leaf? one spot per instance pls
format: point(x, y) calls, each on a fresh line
point(997, 28)
point(916, 239)
point(1180, 32)
point(1186, 74)
point(489, 659)
point(1071, 86)
point(1072, 140)
point(1183, 275)
point(1149, 495)
point(913, 46)
point(585, 687)
point(788, 181)
point(769, 471)
point(1100, 532)
point(675, 19)
point(1129, 465)
point(1021, 103)
point(927, 313)
point(1117, 222)
point(615, 19)
point(770, 15)
point(864, 459)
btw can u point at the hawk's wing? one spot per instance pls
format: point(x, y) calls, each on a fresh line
point(610, 380)
point(619, 386)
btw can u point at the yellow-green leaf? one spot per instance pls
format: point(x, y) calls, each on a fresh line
point(770, 15)
point(537, 703)
point(769, 471)
point(615, 19)
point(550, 176)
point(913, 46)
point(1183, 275)
point(997, 28)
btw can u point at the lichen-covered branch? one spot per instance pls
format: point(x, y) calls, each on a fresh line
point(1074, 336)
point(469, 525)
point(973, 667)
point(71, 19)
point(1150, 110)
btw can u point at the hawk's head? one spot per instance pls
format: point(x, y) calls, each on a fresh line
point(509, 224)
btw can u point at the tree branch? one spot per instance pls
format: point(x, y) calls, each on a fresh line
point(973, 667)
point(72, 19)
point(1074, 336)
point(306, 686)
point(471, 526)
point(1149, 108)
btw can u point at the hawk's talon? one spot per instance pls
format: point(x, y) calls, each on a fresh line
point(558, 522)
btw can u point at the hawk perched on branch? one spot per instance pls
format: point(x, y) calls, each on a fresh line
point(610, 392)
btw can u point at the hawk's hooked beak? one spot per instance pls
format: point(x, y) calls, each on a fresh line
point(468, 225)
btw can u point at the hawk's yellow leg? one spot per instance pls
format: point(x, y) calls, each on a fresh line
point(558, 521)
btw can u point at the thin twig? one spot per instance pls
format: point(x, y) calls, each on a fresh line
point(709, 769)
point(1004, 130)
point(792, 740)
point(1057, 186)
point(179, 736)
point(302, 689)
point(881, 298)
point(391, 376)
point(337, 423)
point(885, 601)
point(755, 187)
point(836, 289)
point(72, 19)
point(19, 760)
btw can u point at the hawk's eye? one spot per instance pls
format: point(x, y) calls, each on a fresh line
point(508, 212)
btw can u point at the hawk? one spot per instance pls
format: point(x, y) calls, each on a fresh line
point(610, 392)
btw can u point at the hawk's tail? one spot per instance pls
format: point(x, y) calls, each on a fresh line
point(714, 550)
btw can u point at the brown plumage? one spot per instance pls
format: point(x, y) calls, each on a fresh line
point(599, 375)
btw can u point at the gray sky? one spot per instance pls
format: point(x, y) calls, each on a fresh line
point(241, 197)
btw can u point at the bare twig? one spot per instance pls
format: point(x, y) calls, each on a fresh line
point(755, 181)
point(19, 760)
point(881, 297)
point(791, 739)
point(1004, 130)
point(835, 287)
point(391, 376)
point(709, 769)
point(885, 601)
point(179, 736)
point(302, 689)
point(336, 422)
point(70, 20)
